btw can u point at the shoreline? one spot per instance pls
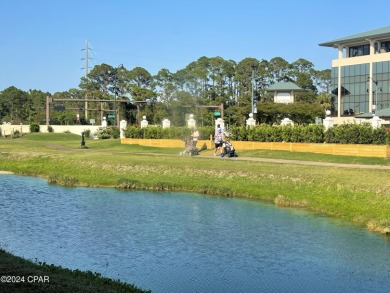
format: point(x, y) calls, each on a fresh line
point(6, 173)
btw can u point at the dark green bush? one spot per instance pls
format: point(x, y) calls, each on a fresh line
point(238, 133)
point(157, 132)
point(329, 135)
point(313, 133)
point(286, 133)
point(34, 127)
point(380, 136)
point(356, 134)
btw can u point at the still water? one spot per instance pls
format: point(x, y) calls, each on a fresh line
point(184, 242)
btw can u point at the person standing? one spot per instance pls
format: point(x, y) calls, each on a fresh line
point(218, 140)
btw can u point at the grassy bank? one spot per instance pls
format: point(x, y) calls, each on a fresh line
point(358, 195)
point(54, 279)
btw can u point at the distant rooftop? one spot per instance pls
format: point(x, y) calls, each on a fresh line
point(284, 86)
point(372, 34)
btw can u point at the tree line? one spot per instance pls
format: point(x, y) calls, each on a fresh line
point(202, 83)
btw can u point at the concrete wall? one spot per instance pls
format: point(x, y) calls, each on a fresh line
point(7, 129)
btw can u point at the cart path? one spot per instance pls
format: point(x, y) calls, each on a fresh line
point(311, 163)
point(280, 161)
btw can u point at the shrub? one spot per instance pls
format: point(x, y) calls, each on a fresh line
point(313, 133)
point(87, 132)
point(380, 136)
point(50, 129)
point(329, 135)
point(356, 134)
point(107, 132)
point(157, 132)
point(34, 127)
point(286, 133)
point(238, 133)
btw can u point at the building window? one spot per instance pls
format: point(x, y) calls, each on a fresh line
point(359, 50)
point(354, 93)
point(385, 47)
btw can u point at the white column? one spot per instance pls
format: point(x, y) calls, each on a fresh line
point(376, 122)
point(328, 121)
point(122, 127)
point(372, 46)
point(144, 122)
point(104, 122)
point(250, 122)
point(166, 123)
point(340, 47)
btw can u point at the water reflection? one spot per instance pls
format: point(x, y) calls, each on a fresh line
point(181, 242)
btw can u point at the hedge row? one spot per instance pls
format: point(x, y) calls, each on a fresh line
point(345, 133)
point(157, 132)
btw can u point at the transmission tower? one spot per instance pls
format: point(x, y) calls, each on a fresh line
point(86, 73)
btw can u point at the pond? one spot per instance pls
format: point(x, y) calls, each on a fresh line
point(186, 242)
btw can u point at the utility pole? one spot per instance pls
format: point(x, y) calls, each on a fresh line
point(254, 109)
point(253, 87)
point(86, 74)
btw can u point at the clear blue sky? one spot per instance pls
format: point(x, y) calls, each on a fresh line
point(42, 42)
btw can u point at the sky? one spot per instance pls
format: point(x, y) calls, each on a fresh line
point(43, 43)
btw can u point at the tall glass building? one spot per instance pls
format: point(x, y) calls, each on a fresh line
point(361, 73)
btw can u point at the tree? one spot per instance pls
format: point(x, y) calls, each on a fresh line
point(243, 76)
point(164, 84)
point(217, 76)
point(37, 106)
point(182, 104)
point(301, 66)
point(140, 86)
point(99, 78)
point(15, 105)
point(322, 79)
point(72, 108)
point(230, 71)
point(305, 82)
point(279, 69)
point(160, 112)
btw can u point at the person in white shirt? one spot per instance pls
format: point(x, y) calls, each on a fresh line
point(218, 141)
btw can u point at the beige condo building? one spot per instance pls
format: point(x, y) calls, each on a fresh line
point(361, 73)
